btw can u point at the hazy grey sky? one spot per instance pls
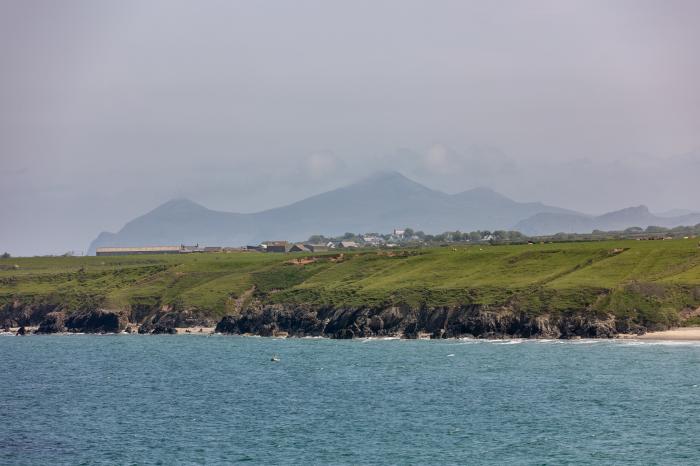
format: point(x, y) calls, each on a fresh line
point(108, 108)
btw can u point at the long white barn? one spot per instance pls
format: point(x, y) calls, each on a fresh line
point(123, 251)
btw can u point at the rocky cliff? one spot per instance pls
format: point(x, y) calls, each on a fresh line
point(404, 321)
point(408, 322)
point(92, 321)
point(19, 314)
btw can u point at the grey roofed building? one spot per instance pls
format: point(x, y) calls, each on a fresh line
point(126, 251)
point(316, 247)
point(298, 247)
point(347, 244)
point(191, 248)
point(277, 246)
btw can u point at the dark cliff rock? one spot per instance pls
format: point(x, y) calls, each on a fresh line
point(97, 321)
point(270, 319)
point(18, 314)
point(157, 329)
point(410, 322)
point(167, 321)
point(54, 322)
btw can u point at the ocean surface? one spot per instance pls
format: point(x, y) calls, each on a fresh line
point(196, 399)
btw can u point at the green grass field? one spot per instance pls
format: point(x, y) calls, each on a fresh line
point(652, 280)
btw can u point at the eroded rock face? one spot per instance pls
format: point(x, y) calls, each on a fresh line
point(157, 329)
point(272, 319)
point(18, 314)
point(408, 322)
point(97, 321)
point(166, 322)
point(54, 322)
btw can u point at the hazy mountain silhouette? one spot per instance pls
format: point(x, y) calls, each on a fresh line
point(379, 203)
point(547, 223)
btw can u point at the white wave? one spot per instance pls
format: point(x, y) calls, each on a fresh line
point(371, 339)
point(632, 342)
point(513, 341)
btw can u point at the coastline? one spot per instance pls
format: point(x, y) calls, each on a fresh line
point(676, 334)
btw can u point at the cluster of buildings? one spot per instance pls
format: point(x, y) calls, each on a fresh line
point(267, 246)
point(368, 240)
point(285, 246)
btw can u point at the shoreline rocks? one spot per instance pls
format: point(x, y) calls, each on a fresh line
point(18, 314)
point(408, 322)
point(302, 320)
point(97, 321)
point(92, 321)
point(54, 322)
point(167, 322)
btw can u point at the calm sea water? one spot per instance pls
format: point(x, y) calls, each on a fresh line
point(195, 399)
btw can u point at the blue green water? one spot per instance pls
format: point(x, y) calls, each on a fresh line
point(195, 399)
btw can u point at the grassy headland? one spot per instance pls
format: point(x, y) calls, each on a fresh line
point(656, 283)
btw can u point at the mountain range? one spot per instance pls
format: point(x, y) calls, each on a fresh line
point(546, 223)
point(379, 203)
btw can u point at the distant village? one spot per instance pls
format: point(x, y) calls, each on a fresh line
point(407, 237)
point(316, 243)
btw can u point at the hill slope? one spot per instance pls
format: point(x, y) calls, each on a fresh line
point(639, 284)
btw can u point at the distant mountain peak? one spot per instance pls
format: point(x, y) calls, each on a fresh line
point(640, 210)
point(482, 190)
point(483, 194)
point(636, 208)
point(389, 181)
point(179, 205)
point(386, 176)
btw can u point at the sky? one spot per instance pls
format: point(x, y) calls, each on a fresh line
point(110, 108)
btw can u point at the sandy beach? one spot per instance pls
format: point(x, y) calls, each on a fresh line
point(677, 334)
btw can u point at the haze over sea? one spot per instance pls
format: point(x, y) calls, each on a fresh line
point(122, 399)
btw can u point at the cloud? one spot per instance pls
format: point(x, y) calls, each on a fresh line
point(438, 160)
point(322, 164)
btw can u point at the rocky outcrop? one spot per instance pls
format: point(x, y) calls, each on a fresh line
point(157, 329)
point(18, 314)
point(409, 322)
point(273, 319)
point(97, 321)
point(54, 322)
point(167, 321)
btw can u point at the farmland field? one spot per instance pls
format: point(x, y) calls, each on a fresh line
point(651, 279)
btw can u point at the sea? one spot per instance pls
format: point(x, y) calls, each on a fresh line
point(199, 399)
